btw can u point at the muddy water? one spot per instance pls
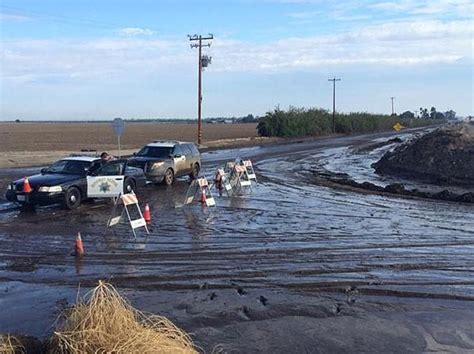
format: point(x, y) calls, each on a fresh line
point(288, 266)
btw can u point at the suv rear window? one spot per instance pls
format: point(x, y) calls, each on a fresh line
point(194, 149)
point(187, 149)
point(177, 150)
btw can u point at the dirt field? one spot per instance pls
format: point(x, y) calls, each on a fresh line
point(22, 143)
point(67, 136)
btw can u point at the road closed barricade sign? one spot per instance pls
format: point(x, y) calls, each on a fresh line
point(128, 204)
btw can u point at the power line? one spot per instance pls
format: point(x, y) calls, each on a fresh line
point(203, 61)
point(334, 103)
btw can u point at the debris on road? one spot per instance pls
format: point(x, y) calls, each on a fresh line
point(443, 155)
point(10, 345)
point(107, 323)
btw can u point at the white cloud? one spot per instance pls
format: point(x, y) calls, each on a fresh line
point(135, 31)
point(13, 17)
point(304, 14)
point(115, 59)
point(461, 8)
point(390, 44)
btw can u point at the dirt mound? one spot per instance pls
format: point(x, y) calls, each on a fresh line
point(444, 155)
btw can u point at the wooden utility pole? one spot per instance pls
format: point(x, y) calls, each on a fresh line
point(199, 45)
point(334, 103)
point(393, 111)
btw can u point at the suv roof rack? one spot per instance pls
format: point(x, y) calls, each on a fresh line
point(166, 141)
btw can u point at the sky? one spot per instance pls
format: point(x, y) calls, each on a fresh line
point(100, 59)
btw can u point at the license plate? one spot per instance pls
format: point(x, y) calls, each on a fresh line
point(21, 198)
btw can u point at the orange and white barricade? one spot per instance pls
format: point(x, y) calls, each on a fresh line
point(242, 177)
point(250, 171)
point(135, 217)
point(199, 187)
point(222, 181)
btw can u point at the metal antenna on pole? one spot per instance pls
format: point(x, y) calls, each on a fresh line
point(334, 103)
point(203, 61)
point(393, 111)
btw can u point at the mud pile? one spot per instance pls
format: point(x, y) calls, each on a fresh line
point(445, 155)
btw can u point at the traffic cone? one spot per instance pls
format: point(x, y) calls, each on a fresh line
point(79, 248)
point(203, 196)
point(146, 213)
point(26, 186)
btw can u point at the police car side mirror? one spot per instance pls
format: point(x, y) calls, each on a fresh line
point(177, 156)
point(43, 170)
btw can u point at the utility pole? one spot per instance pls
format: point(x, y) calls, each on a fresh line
point(203, 61)
point(393, 111)
point(334, 103)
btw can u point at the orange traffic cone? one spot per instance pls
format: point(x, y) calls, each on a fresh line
point(79, 248)
point(203, 196)
point(26, 186)
point(146, 213)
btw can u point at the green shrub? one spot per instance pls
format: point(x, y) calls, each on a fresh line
point(316, 121)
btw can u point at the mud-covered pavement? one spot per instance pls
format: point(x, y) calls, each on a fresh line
point(290, 267)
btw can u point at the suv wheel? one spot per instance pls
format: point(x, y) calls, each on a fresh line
point(72, 198)
point(195, 171)
point(169, 177)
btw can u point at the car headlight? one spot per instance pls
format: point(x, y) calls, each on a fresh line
point(50, 189)
point(10, 187)
point(157, 165)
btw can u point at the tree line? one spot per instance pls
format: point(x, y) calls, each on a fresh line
point(431, 114)
point(317, 121)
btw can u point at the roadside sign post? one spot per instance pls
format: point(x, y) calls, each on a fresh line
point(118, 125)
point(398, 126)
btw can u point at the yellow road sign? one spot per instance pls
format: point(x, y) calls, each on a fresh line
point(398, 127)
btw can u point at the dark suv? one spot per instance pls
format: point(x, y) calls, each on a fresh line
point(163, 161)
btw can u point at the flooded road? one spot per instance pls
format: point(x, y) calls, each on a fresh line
point(288, 267)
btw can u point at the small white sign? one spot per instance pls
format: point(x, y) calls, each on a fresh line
point(137, 223)
point(115, 221)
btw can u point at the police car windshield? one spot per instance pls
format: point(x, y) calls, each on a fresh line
point(69, 167)
point(156, 151)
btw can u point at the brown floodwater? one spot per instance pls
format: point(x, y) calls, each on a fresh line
point(288, 266)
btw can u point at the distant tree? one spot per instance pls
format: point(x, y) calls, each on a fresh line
point(407, 115)
point(17, 121)
point(248, 119)
point(424, 113)
point(433, 113)
point(439, 115)
point(450, 115)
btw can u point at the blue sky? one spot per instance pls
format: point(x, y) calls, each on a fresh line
point(102, 59)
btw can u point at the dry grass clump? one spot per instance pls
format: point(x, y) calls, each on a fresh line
point(107, 323)
point(10, 345)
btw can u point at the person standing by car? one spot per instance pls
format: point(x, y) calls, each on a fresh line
point(106, 157)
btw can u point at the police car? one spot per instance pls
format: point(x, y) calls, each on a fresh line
point(69, 181)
